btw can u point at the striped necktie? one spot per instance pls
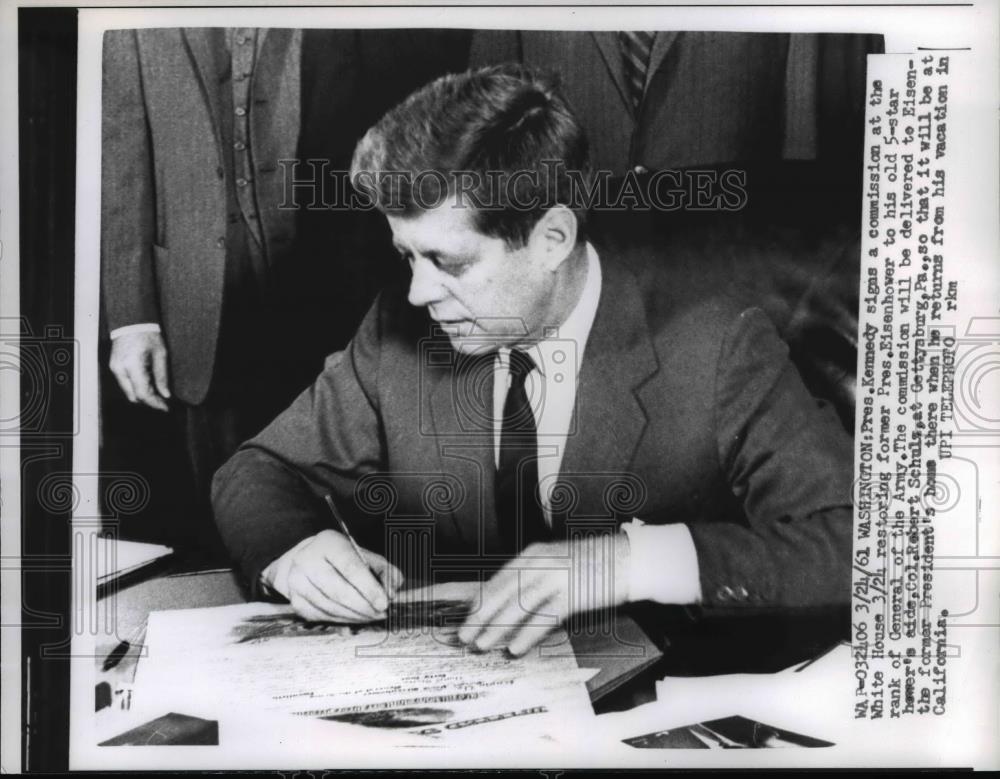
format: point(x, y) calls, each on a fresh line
point(636, 48)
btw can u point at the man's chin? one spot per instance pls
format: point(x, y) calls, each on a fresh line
point(474, 343)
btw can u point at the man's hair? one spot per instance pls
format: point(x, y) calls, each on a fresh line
point(499, 139)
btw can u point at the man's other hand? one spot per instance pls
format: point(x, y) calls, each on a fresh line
point(139, 363)
point(324, 580)
point(538, 590)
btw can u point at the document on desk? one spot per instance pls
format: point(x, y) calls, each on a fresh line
point(407, 673)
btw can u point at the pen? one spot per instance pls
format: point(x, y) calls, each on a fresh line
point(354, 544)
point(115, 656)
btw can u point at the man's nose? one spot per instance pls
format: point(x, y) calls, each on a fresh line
point(425, 285)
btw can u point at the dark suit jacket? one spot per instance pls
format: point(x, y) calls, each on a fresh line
point(685, 412)
point(711, 97)
point(164, 207)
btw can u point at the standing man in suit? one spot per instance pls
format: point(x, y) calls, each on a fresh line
point(665, 100)
point(523, 410)
point(226, 275)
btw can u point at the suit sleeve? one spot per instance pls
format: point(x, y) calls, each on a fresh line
point(269, 495)
point(789, 461)
point(127, 188)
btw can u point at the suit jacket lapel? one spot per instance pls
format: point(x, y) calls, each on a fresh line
point(203, 52)
point(609, 419)
point(661, 45)
point(461, 412)
point(607, 43)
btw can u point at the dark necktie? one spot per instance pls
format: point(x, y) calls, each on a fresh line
point(519, 513)
point(636, 48)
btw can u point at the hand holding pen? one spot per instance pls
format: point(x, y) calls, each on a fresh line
point(367, 560)
point(329, 577)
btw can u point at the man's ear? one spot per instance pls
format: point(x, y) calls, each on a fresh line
point(554, 236)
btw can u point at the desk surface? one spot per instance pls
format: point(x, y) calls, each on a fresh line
point(132, 605)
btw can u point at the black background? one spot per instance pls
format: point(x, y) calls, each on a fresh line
point(47, 48)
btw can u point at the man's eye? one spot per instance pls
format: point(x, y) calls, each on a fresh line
point(455, 269)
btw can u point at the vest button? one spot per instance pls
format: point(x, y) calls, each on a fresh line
point(724, 593)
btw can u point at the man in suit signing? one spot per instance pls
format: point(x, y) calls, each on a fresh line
point(522, 410)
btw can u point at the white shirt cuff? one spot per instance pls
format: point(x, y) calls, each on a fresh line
point(141, 327)
point(663, 563)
